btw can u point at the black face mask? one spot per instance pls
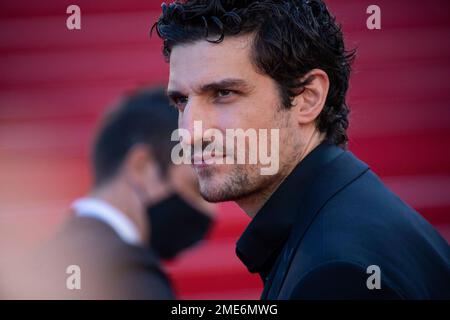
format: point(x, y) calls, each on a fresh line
point(175, 226)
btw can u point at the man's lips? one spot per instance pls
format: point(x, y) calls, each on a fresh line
point(207, 159)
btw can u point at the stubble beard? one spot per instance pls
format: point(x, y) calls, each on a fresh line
point(244, 182)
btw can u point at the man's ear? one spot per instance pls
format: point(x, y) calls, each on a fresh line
point(136, 164)
point(310, 102)
point(144, 175)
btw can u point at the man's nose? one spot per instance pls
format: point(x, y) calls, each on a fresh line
point(193, 120)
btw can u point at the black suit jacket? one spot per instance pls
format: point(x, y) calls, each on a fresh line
point(328, 222)
point(110, 268)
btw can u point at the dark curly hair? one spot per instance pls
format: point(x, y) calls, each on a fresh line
point(291, 37)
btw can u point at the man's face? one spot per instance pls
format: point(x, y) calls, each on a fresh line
point(218, 85)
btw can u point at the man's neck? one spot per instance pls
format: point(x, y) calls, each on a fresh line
point(254, 202)
point(122, 198)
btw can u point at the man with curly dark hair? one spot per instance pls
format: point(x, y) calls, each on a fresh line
point(323, 226)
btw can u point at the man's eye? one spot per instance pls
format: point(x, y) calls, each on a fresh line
point(224, 93)
point(180, 101)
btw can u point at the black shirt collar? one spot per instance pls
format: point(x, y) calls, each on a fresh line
point(268, 231)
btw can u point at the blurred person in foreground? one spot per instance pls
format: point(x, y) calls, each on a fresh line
point(323, 225)
point(141, 208)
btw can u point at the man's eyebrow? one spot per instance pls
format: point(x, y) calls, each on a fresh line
point(218, 85)
point(225, 84)
point(172, 94)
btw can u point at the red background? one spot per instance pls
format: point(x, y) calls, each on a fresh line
point(55, 84)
